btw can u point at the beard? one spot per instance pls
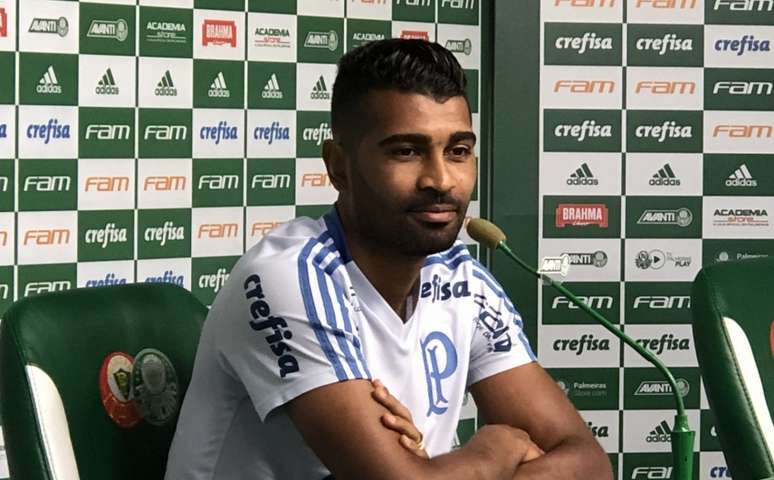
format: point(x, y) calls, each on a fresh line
point(386, 222)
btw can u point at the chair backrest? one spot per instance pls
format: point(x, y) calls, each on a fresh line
point(733, 327)
point(86, 391)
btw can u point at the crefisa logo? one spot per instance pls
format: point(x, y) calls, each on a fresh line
point(670, 42)
point(52, 130)
point(587, 342)
point(583, 131)
point(438, 290)
point(745, 44)
point(221, 131)
point(589, 41)
point(318, 134)
point(271, 133)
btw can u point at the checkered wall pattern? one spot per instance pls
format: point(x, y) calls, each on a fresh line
point(156, 141)
point(656, 138)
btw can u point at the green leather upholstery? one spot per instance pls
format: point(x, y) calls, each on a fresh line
point(67, 335)
point(733, 311)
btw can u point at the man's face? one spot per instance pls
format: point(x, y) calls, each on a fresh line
point(411, 173)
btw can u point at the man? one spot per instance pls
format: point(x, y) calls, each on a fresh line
point(377, 288)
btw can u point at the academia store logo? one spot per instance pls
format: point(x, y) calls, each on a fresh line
point(589, 345)
point(48, 26)
point(738, 132)
point(665, 45)
point(164, 183)
point(218, 84)
point(166, 32)
point(414, 30)
point(582, 11)
point(107, 29)
point(673, 174)
point(648, 431)
point(105, 235)
point(579, 174)
point(37, 279)
point(314, 86)
point(654, 88)
point(715, 251)
point(646, 388)
point(665, 11)
point(657, 302)
point(217, 182)
point(360, 32)
point(713, 465)
point(271, 37)
point(164, 233)
point(741, 12)
point(7, 132)
point(581, 130)
point(271, 133)
point(370, 9)
point(48, 79)
point(313, 186)
point(218, 35)
point(216, 231)
point(165, 82)
point(672, 344)
point(209, 275)
point(271, 181)
point(414, 10)
point(103, 274)
point(320, 40)
point(106, 81)
point(46, 237)
point(262, 220)
point(738, 89)
point(572, 87)
point(588, 388)
point(582, 44)
point(601, 296)
point(48, 185)
point(662, 260)
point(592, 259)
point(738, 217)
point(604, 426)
point(664, 131)
point(464, 42)
point(176, 271)
point(105, 184)
point(740, 46)
point(218, 133)
point(663, 216)
point(572, 217)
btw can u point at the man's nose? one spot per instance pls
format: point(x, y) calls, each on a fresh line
point(436, 173)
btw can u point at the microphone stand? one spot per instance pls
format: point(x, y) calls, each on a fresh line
point(682, 436)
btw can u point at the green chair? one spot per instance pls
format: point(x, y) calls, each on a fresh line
point(733, 327)
point(86, 387)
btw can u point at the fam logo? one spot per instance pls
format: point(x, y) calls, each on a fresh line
point(52, 130)
point(652, 473)
point(219, 32)
point(743, 131)
point(272, 181)
point(166, 133)
point(587, 129)
point(586, 342)
point(585, 86)
point(665, 87)
point(47, 237)
point(655, 259)
point(273, 37)
point(440, 360)
point(581, 215)
point(459, 4)
point(110, 279)
point(743, 87)
point(58, 26)
point(107, 184)
point(666, 4)
point(495, 329)
point(47, 183)
point(740, 217)
point(670, 42)
point(108, 132)
point(598, 302)
point(221, 131)
point(218, 182)
point(744, 6)
point(322, 40)
point(682, 217)
point(318, 134)
point(438, 290)
point(662, 302)
point(278, 330)
point(585, 3)
point(262, 228)
point(218, 230)
point(35, 288)
point(588, 42)
point(270, 133)
point(111, 29)
point(314, 180)
point(743, 45)
point(164, 183)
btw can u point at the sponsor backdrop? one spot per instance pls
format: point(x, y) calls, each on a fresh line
point(653, 135)
point(156, 141)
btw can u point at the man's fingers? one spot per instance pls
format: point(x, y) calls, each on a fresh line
point(412, 446)
point(382, 395)
point(403, 426)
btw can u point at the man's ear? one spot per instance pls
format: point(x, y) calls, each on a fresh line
point(336, 164)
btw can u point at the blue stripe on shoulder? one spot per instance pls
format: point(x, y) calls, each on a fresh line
point(333, 224)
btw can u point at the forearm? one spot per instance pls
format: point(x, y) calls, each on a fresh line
point(573, 459)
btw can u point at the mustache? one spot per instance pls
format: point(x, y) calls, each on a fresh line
point(434, 202)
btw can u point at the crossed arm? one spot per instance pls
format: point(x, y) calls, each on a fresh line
point(346, 426)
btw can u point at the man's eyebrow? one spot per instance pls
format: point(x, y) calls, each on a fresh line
point(457, 137)
point(405, 138)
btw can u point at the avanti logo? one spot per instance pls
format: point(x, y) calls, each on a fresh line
point(219, 32)
point(585, 86)
point(665, 176)
point(741, 177)
point(317, 134)
point(166, 132)
point(113, 29)
point(587, 129)
point(107, 184)
point(48, 131)
point(165, 87)
point(586, 43)
point(586, 343)
point(320, 90)
point(324, 40)
point(48, 83)
point(272, 37)
point(108, 132)
point(221, 131)
point(743, 131)
point(581, 215)
point(745, 44)
point(271, 133)
point(272, 89)
point(58, 26)
point(597, 259)
point(168, 231)
point(105, 236)
point(110, 279)
point(744, 5)
point(662, 302)
point(459, 46)
point(582, 176)
point(218, 87)
point(670, 42)
point(665, 87)
point(107, 84)
point(743, 88)
point(668, 129)
point(682, 217)
point(662, 388)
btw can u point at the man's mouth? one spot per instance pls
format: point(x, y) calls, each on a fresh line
point(436, 213)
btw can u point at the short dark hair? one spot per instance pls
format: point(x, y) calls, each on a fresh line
point(406, 65)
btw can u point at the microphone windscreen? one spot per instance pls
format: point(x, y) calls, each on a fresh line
point(485, 232)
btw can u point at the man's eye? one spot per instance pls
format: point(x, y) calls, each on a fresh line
point(460, 151)
point(406, 152)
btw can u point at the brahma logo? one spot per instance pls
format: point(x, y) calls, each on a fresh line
point(746, 44)
point(743, 131)
point(58, 26)
point(108, 132)
point(670, 42)
point(597, 259)
point(218, 230)
point(587, 129)
point(166, 132)
point(164, 183)
point(315, 180)
point(317, 134)
point(665, 87)
point(219, 32)
point(222, 131)
point(415, 35)
point(586, 343)
point(744, 5)
point(168, 231)
point(52, 130)
point(107, 184)
point(47, 183)
point(271, 133)
point(581, 215)
point(743, 88)
point(668, 4)
point(46, 237)
point(682, 217)
point(585, 86)
point(112, 29)
point(586, 43)
point(324, 40)
point(668, 129)
point(110, 279)
point(272, 37)
point(584, 3)
point(3, 23)
point(740, 217)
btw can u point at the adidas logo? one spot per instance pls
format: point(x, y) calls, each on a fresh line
point(107, 84)
point(48, 83)
point(272, 89)
point(218, 87)
point(320, 90)
point(166, 87)
point(741, 178)
point(665, 177)
point(582, 176)
point(660, 434)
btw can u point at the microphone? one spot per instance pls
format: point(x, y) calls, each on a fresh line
point(488, 234)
